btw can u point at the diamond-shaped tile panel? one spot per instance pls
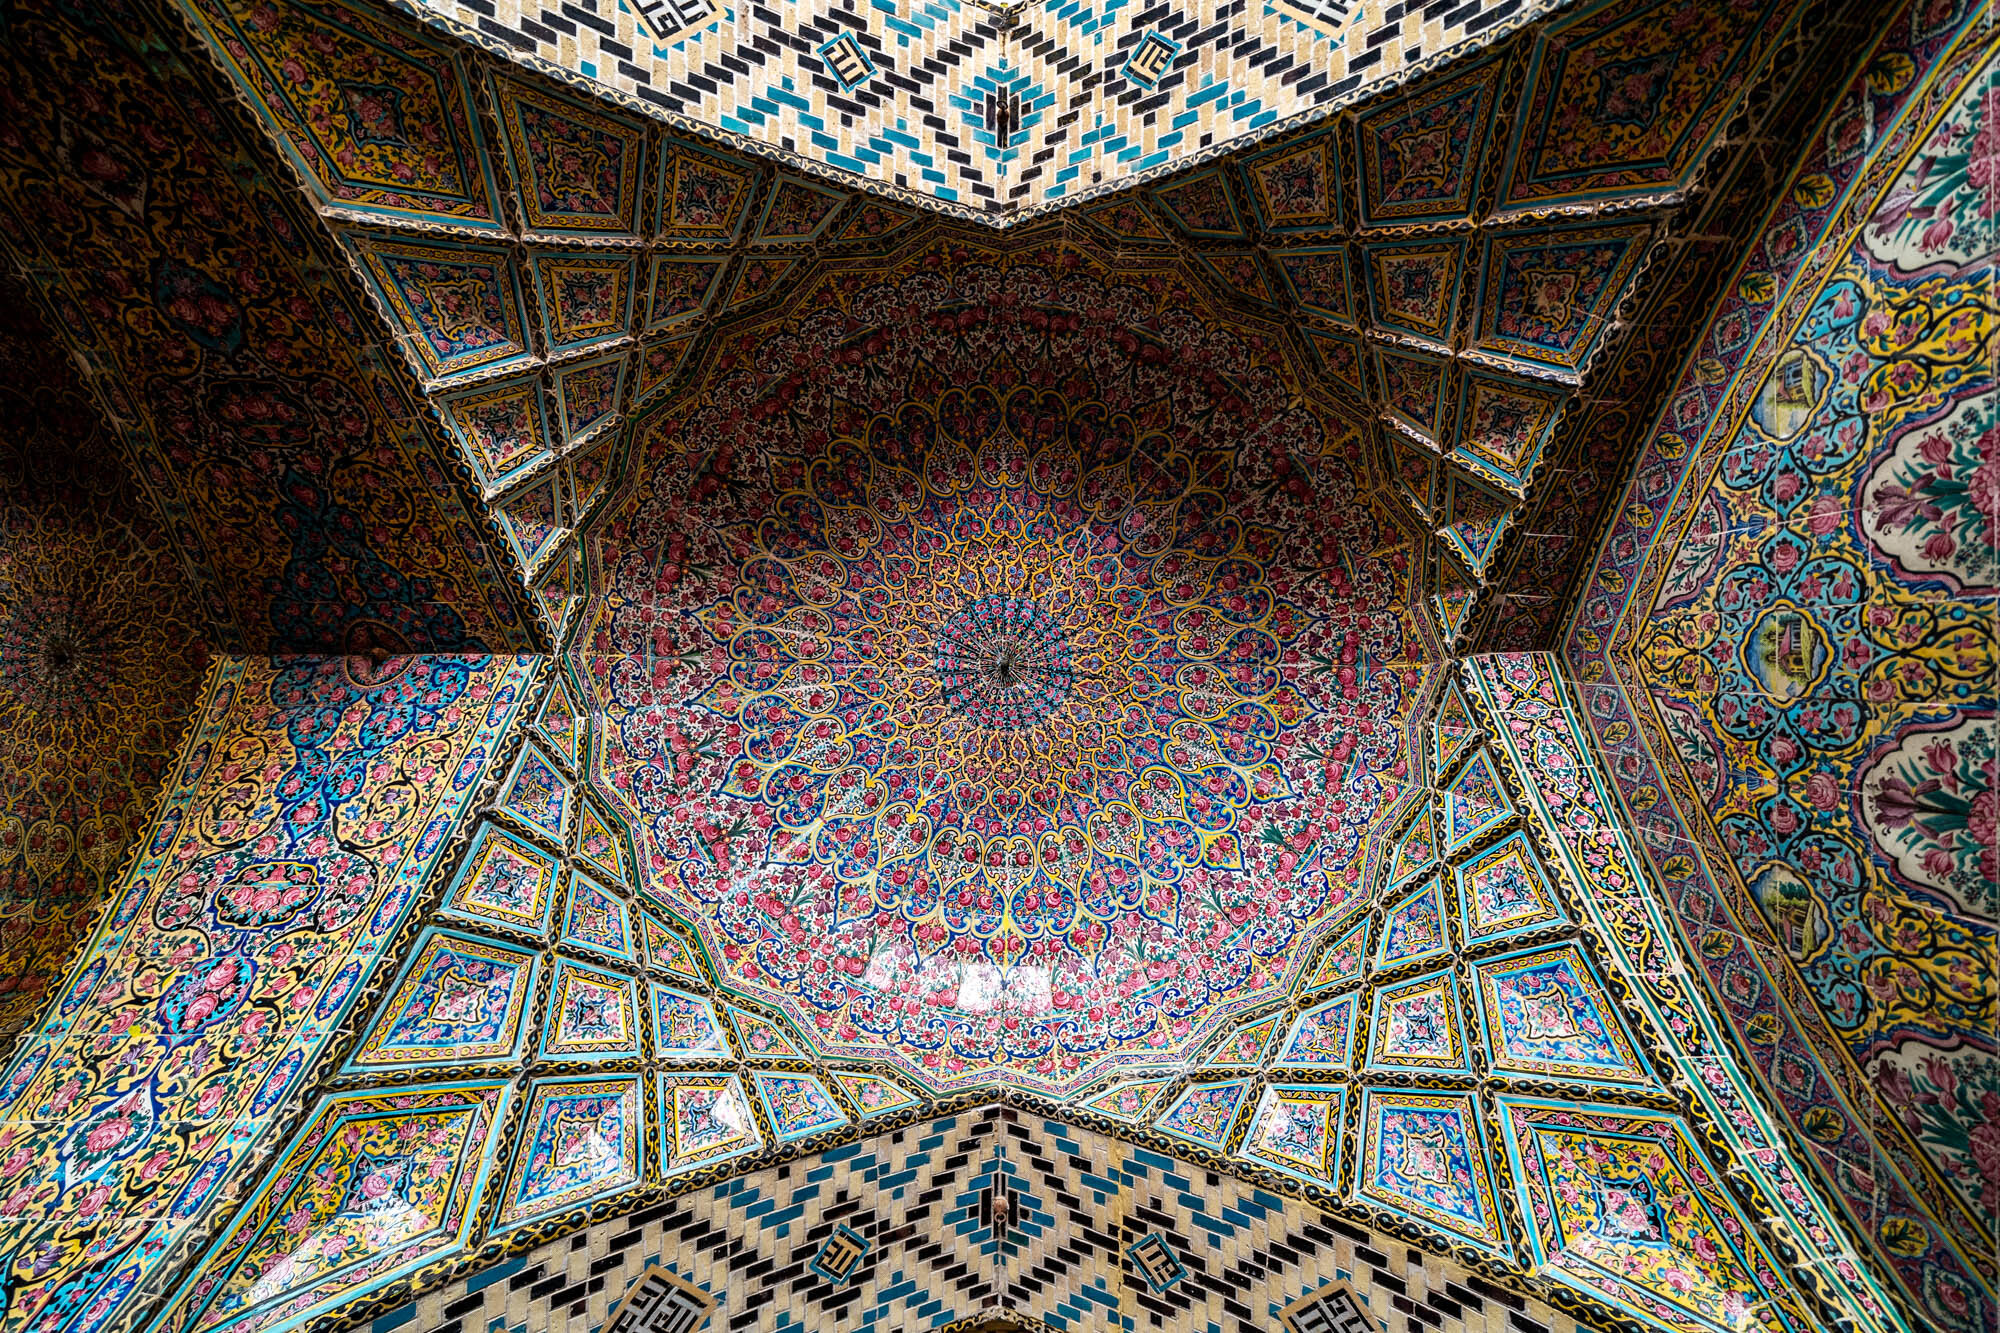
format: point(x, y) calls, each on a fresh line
point(1452, 594)
point(1201, 206)
point(1549, 293)
point(589, 478)
point(503, 879)
point(685, 1027)
point(871, 220)
point(874, 1096)
point(1342, 960)
point(502, 428)
point(667, 948)
point(1474, 803)
point(1619, 1202)
point(533, 517)
point(1296, 1131)
point(1502, 425)
point(799, 1105)
point(1126, 218)
point(1420, 156)
point(1423, 1157)
point(1341, 360)
point(559, 722)
point(1413, 389)
point(703, 196)
point(1452, 730)
point(596, 918)
point(1413, 287)
point(680, 287)
point(1413, 928)
point(1474, 517)
point(456, 308)
point(592, 1015)
point(1295, 187)
point(759, 276)
point(378, 115)
point(1240, 274)
point(1245, 1046)
point(798, 211)
point(1546, 1014)
point(578, 1143)
point(578, 168)
point(1506, 892)
point(585, 297)
point(1131, 1102)
point(537, 793)
point(1323, 1036)
point(1419, 1024)
point(1416, 849)
point(559, 583)
point(378, 1183)
point(1205, 1113)
point(459, 1000)
point(589, 395)
point(659, 366)
point(1319, 279)
point(600, 843)
point(757, 1035)
point(704, 1118)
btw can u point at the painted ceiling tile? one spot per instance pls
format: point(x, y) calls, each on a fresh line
point(589, 396)
point(1453, 730)
point(685, 1027)
point(1343, 958)
point(503, 879)
point(377, 115)
point(586, 297)
point(590, 475)
point(557, 584)
point(798, 211)
point(1413, 389)
point(704, 1118)
point(503, 428)
point(1126, 218)
point(534, 517)
point(757, 1035)
point(681, 287)
point(1240, 274)
point(1298, 1130)
point(667, 948)
point(1320, 281)
point(871, 220)
point(1416, 849)
point(799, 1105)
point(703, 196)
point(597, 919)
point(1546, 1013)
point(458, 306)
point(1502, 425)
point(1505, 892)
point(1413, 927)
point(1550, 294)
point(660, 363)
point(559, 722)
point(1205, 1113)
point(1419, 1024)
point(592, 1015)
point(537, 793)
point(758, 277)
point(599, 841)
point(1340, 358)
point(1619, 1204)
point(376, 1185)
point(1474, 803)
point(460, 1000)
point(1421, 157)
point(1131, 1102)
point(874, 1096)
point(1295, 187)
point(578, 167)
point(578, 1143)
point(1413, 287)
point(1201, 206)
point(1475, 517)
point(1624, 97)
point(1322, 1036)
point(1246, 1046)
point(1423, 1157)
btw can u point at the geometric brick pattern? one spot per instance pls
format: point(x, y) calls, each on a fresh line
point(942, 1256)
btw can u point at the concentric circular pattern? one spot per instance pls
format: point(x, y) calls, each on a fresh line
point(1010, 732)
point(1003, 663)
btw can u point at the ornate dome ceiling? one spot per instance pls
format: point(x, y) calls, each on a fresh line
point(1002, 662)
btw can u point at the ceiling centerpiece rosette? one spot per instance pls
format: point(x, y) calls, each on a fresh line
point(1016, 732)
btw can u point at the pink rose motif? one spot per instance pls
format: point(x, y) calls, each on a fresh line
point(1785, 820)
point(108, 1135)
point(1822, 792)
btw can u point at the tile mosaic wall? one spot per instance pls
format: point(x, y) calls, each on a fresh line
point(1786, 640)
point(996, 112)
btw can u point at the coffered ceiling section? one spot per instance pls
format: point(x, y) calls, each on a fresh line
point(991, 111)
